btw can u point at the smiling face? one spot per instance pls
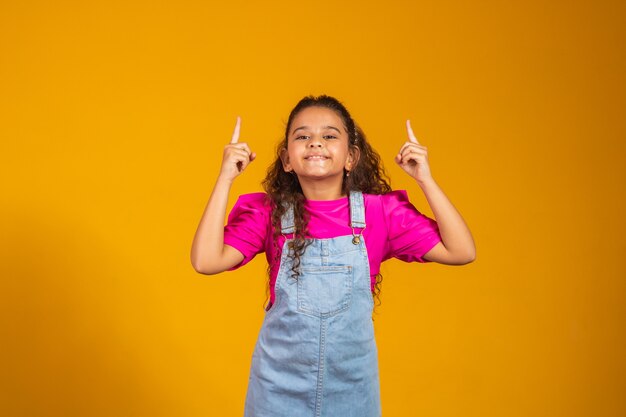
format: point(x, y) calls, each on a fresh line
point(317, 147)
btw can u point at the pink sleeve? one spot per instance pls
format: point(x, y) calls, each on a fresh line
point(411, 233)
point(247, 225)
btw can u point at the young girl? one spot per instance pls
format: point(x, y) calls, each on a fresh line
point(327, 222)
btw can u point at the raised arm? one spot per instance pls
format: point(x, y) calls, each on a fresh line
point(457, 246)
point(209, 255)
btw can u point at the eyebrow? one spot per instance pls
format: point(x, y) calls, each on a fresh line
point(307, 127)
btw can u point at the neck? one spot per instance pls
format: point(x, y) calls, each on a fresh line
point(321, 190)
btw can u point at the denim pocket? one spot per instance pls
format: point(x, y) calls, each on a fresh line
point(325, 291)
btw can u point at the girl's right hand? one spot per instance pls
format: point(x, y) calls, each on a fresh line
point(237, 156)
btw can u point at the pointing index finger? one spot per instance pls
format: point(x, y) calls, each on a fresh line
point(235, 137)
point(412, 137)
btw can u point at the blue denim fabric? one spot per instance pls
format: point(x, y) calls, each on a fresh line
point(316, 355)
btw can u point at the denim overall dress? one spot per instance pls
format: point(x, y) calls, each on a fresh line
point(316, 355)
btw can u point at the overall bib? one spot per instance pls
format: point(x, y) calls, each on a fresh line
point(316, 355)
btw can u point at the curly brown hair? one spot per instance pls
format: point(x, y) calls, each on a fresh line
point(283, 188)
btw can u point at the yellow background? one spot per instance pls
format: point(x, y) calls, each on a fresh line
point(113, 117)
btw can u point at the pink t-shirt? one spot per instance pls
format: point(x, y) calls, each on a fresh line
point(395, 229)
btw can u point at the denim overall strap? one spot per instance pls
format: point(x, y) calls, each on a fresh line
point(287, 222)
point(357, 210)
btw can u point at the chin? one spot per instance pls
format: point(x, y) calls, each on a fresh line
point(320, 175)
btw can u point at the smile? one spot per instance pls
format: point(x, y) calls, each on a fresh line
point(316, 157)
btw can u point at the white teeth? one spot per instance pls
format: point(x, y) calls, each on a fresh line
point(316, 157)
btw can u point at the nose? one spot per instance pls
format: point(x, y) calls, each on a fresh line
point(315, 142)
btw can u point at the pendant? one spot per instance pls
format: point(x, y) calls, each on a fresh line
point(356, 240)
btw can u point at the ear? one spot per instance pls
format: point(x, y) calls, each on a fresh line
point(284, 158)
point(354, 153)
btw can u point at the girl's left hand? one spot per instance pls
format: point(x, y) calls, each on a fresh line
point(413, 158)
